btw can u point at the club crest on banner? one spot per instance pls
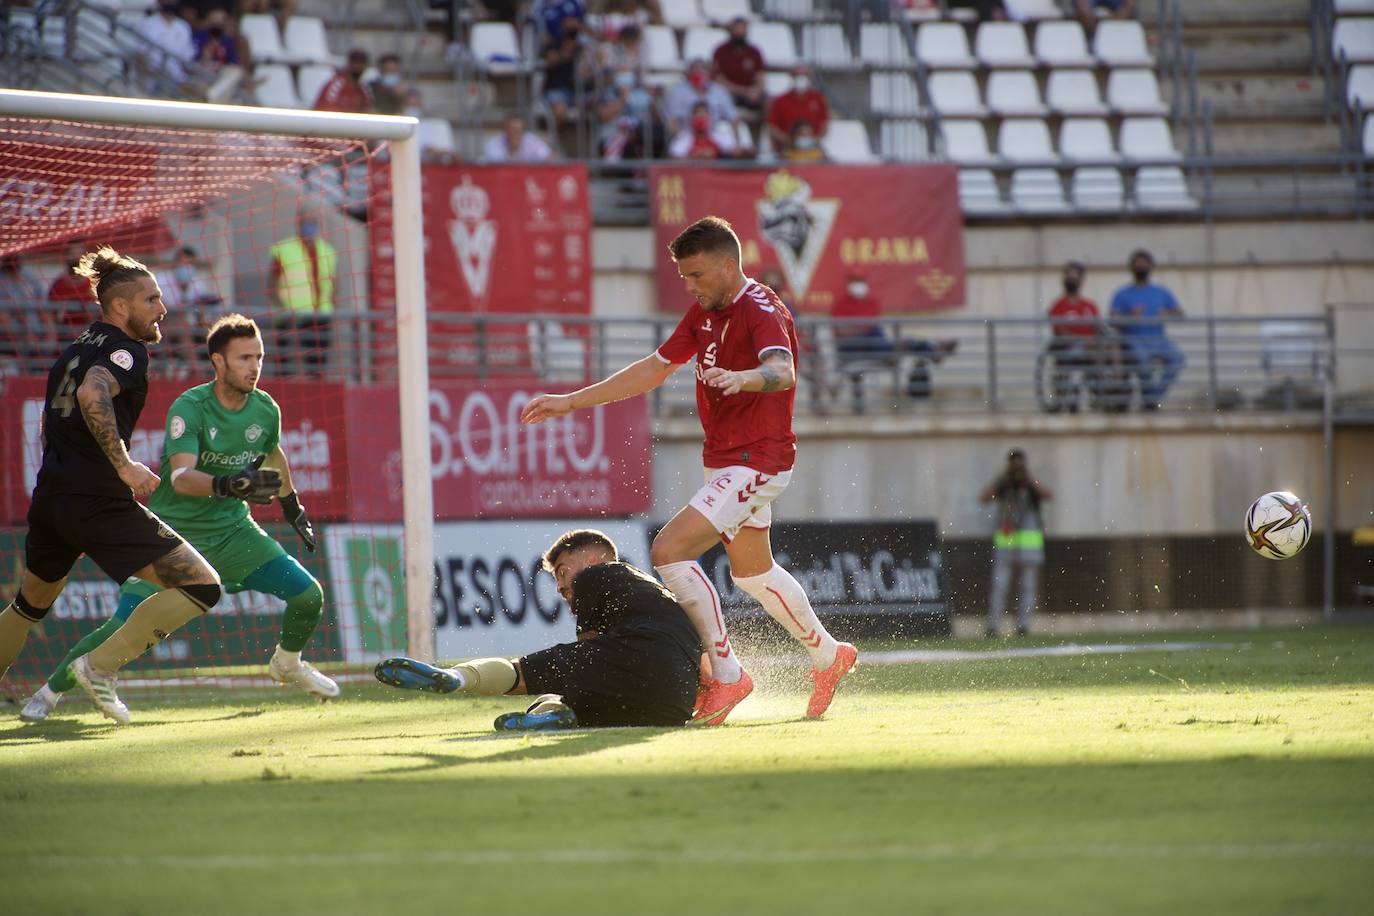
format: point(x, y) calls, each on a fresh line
point(796, 225)
point(473, 236)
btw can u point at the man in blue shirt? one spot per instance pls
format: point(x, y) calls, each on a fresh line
point(1138, 311)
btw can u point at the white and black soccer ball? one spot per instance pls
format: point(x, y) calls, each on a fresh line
point(1278, 525)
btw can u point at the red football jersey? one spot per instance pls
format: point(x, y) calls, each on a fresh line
point(752, 428)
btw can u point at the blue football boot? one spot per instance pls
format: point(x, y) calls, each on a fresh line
point(409, 674)
point(547, 714)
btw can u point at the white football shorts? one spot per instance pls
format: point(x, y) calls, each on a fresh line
point(739, 497)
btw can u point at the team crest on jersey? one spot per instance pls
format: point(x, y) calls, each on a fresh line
point(123, 359)
point(472, 235)
point(797, 226)
point(253, 433)
point(178, 427)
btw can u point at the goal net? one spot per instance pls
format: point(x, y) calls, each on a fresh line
point(297, 220)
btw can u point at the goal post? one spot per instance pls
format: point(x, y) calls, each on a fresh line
point(300, 141)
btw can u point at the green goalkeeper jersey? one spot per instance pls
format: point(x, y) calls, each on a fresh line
point(224, 442)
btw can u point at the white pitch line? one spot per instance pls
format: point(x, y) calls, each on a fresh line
point(716, 856)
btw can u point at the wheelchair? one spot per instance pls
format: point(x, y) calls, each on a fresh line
point(1093, 371)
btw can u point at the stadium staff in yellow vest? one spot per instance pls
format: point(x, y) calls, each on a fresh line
point(304, 268)
point(1018, 543)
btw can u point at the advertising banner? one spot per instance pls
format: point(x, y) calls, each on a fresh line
point(485, 464)
point(900, 226)
point(491, 596)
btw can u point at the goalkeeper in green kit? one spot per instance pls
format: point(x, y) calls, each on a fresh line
point(223, 451)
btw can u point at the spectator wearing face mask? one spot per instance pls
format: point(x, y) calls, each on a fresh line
point(170, 50)
point(516, 144)
point(857, 341)
point(1073, 321)
point(739, 67)
point(182, 286)
point(802, 103)
point(566, 55)
point(217, 53)
point(389, 88)
point(1139, 310)
point(703, 138)
point(804, 146)
point(697, 88)
point(345, 90)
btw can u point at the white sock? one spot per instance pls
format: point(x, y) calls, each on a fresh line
point(287, 659)
point(687, 580)
point(785, 601)
point(49, 695)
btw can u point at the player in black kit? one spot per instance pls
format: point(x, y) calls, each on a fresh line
point(84, 499)
point(635, 662)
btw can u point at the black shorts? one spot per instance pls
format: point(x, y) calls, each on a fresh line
point(618, 679)
point(120, 535)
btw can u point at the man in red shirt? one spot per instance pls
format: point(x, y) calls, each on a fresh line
point(745, 347)
point(1077, 342)
point(803, 102)
point(345, 90)
point(74, 307)
point(739, 67)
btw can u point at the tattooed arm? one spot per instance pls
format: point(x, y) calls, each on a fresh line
point(775, 373)
point(96, 397)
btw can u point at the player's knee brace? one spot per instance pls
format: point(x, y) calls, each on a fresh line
point(27, 610)
point(205, 595)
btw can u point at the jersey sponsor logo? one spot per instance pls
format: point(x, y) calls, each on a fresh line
point(253, 433)
point(178, 427)
point(123, 359)
point(236, 461)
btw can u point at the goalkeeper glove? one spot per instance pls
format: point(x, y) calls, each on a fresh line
point(252, 484)
point(295, 514)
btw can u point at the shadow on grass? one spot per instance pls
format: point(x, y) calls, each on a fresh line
point(564, 745)
point(53, 731)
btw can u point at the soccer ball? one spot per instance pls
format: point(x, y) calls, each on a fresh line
point(1278, 525)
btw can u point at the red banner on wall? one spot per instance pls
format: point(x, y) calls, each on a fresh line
point(899, 226)
point(485, 464)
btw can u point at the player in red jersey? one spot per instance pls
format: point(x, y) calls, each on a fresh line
point(745, 348)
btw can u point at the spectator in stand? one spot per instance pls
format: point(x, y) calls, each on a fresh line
point(868, 342)
point(345, 90)
point(1139, 310)
point(623, 53)
point(703, 138)
point(610, 17)
point(414, 104)
point(555, 15)
point(804, 145)
point(739, 67)
point(217, 54)
point(27, 336)
point(169, 53)
point(1075, 344)
point(1088, 10)
point(389, 87)
point(304, 271)
point(75, 306)
point(803, 102)
point(183, 288)
point(565, 57)
point(516, 144)
point(1018, 543)
point(698, 87)
point(987, 10)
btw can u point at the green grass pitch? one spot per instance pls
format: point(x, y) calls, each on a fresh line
point(1238, 778)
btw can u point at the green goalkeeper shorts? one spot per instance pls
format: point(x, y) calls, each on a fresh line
point(235, 554)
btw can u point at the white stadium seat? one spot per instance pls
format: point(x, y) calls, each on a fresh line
point(436, 134)
point(722, 11)
point(791, 9)
point(881, 44)
point(903, 141)
point(1135, 92)
point(775, 42)
point(1147, 138)
point(305, 40)
point(1359, 88)
point(966, 141)
point(264, 38)
point(1121, 43)
point(1086, 139)
point(978, 192)
point(1062, 44)
point(775, 83)
point(1037, 191)
point(1034, 9)
point(954, 94)
point(1354, 38)
point(1074, 92)
point(1014, 93)
point(1369, 135)
point(1353, 7)
point(682, 14)
point(700, 43)
point(824, 45)
point(495, 46)
point(311, 79)
point(893, 93)
point(1002, 44)
point(1098, 188)
point(943, 45)
point(276, 88)
point(847, 141)
point(1024, 139)
point(1162, 188)
point(660, 48)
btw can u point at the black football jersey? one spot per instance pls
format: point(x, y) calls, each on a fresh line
point(73, 461)
point(610, 597)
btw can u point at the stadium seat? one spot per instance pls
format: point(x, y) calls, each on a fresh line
point(847, 141)
point(1369, 135)
point(660, 49)
point(1024, 139)
point(881, 44)
point(1013, 93)
point(496, 47)
point(978, 192)
point(790, 9)
point(903, 141)
point(276, 88)
point(1086, 139)
point(310, 80)
point(775, 83)
point(1062, 44)
point(966, 141)
point(1037, 191)
point(943, 45)
point(893, 93)
point(1355, 39)
point(1359, 88)
point(1162, 187)
point(1098, 188)
point(682, 14)
point(264, 38)
point(1353, 7)
point(305, 40)
point(1074, 92)
point(824, 45)
point(1135, 92)
point(1147, 138)
point(126, 28)
point(923, 10)
point(700, 43)
point(722, 11)
point(1121, 43)
point(775, 42)
point(1002, 44)
point(1033, 10)
point(954, 94)
point(436, 134)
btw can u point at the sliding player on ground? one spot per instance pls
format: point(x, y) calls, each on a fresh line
point(84, 499)
point(223, 450)
point(746, 348)
point(635, 661)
